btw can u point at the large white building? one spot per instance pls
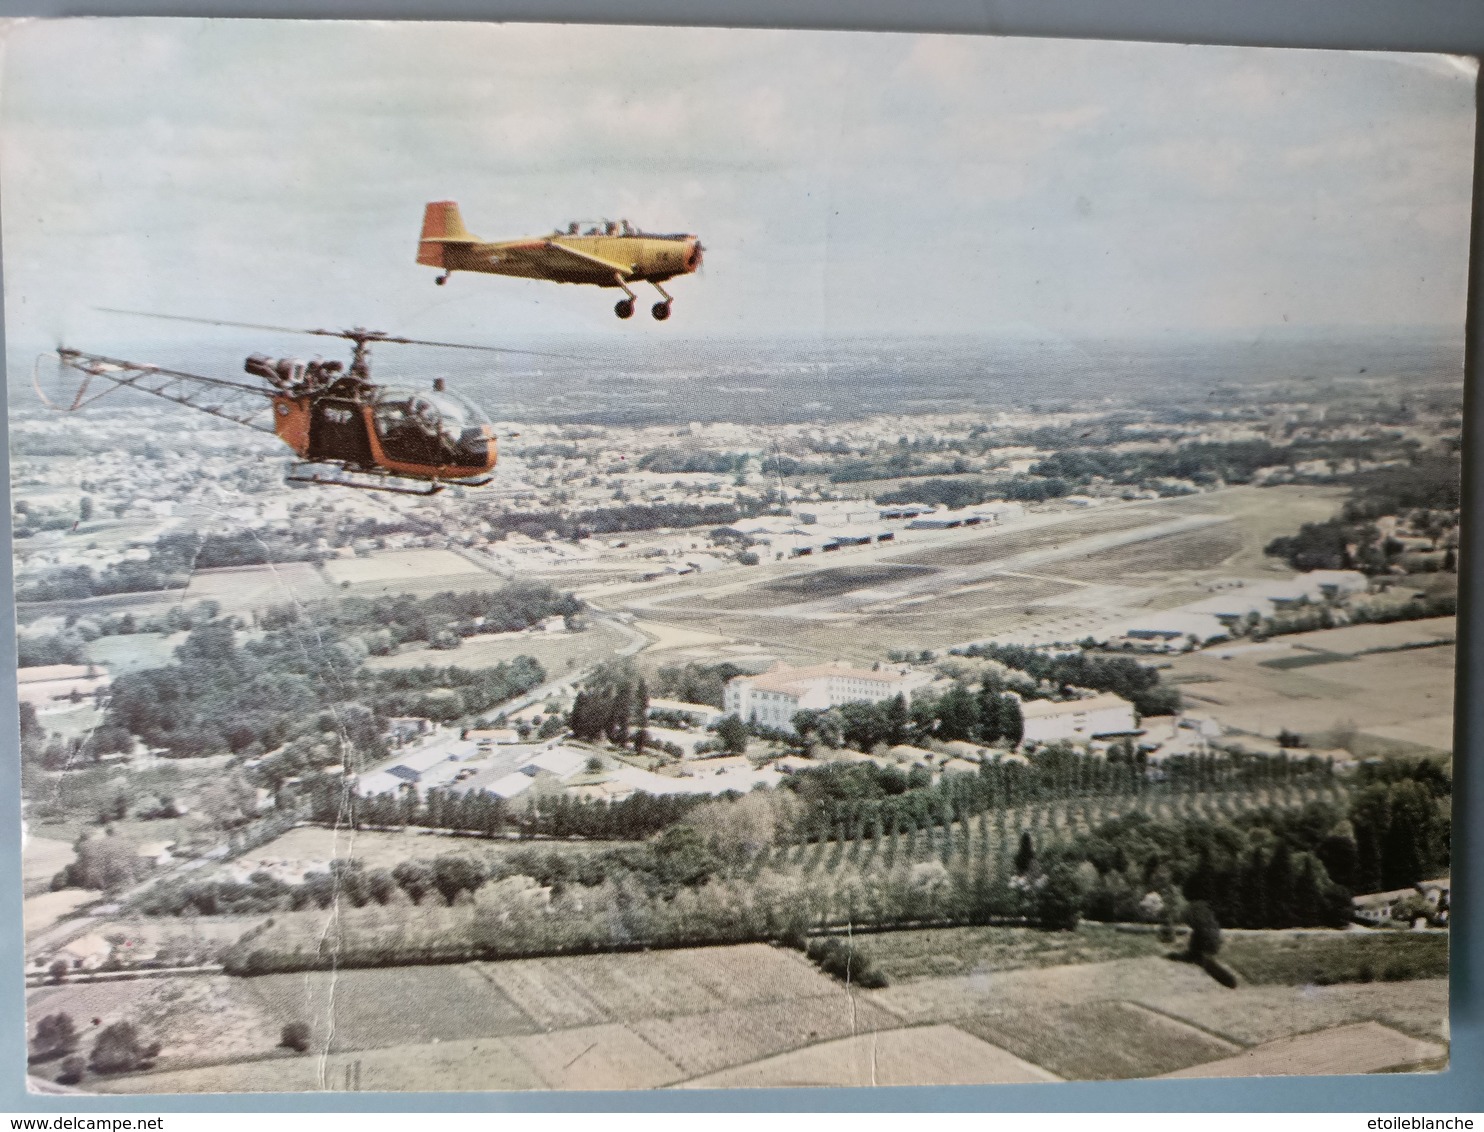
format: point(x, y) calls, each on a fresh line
point(1077, 721)
point(773, 697)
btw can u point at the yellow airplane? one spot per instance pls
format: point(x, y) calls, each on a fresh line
point(607, 253)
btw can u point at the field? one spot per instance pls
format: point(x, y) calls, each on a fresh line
point(1395, 700)
point(378, 850)
point(395, 565)
point(241, 589)
point(41, 859)
point(815, 584)
point(1100, 1041)
point(748, 1015)
point(45, 909)
point(927, 1055)
point(942, 952)
point(1366, 1047)
point(997, 545)
point(635, 1020)
point(1060, 577)
point(65, 806)
point(1252, 1015)
point(1318, 957)
point(557, 652)
point(134, 651)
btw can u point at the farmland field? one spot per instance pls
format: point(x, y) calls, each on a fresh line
point(1099, 1041)
point(706, 1043)
point(1401, 698)
point(392, 565)
point(363, 1009)
point(939, 952)
point(381, 850)
point(602, 1021)
point(1251, 1015)
point(927, 1055)
point(41, 859)
point(738, 1016)
point(239, 589)
point(1319, 957)
point(199, 1019)
point(1365, 1047)
point(557, 652)
point(134, 651)
point(41, 911)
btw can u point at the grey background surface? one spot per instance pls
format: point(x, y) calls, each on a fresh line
point(1455, 26)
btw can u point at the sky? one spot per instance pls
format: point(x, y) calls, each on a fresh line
point(844, 184)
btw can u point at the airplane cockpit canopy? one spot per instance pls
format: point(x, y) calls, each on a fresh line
point(599, 228)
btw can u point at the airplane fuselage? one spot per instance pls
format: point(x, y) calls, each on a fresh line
point(648, 259)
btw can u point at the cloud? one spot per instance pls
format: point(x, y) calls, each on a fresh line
point(858, 183)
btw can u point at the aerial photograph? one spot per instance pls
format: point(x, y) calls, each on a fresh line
point(586, 558)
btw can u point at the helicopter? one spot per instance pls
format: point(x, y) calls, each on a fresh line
point(602, 253)
point(346, 429)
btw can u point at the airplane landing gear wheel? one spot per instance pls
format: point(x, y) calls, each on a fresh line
point(442, 279)
point(624, 308)
point(661, 311)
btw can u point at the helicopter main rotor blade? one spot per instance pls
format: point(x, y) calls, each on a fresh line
point(221, 322)
point(355, 335)
point(467, 346)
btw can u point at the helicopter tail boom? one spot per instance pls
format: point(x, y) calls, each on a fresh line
point(442, 225)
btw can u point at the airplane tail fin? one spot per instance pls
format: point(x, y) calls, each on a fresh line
point(442, 225)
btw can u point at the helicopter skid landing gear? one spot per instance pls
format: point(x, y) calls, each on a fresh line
point(661, 310)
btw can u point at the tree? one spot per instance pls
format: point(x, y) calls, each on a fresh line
point(295, 1036)
point(991, 726)
point(454, 873)
point(641, 716)
point(683, 858)
point(104, 863)
point(1205, 931)
point(733, 735)
point(72, 1070)
point(1059, 899)
point(958, 714)
point(1025, 856)
point(55, 1034)
point(414, 878)
point(1012, 721)
point(896, 719)
point(121, 1049)
point(58, 970)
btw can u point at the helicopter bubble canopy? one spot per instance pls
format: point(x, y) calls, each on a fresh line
point(430, 426)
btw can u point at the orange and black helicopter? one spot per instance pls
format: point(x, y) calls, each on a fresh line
point(347, 430)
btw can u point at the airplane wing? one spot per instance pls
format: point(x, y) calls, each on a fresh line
point(548, 255)
point(230, 400)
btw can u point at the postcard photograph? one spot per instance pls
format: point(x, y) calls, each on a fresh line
point(576, 557)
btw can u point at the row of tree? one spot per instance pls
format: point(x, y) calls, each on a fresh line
point(1138, 683)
